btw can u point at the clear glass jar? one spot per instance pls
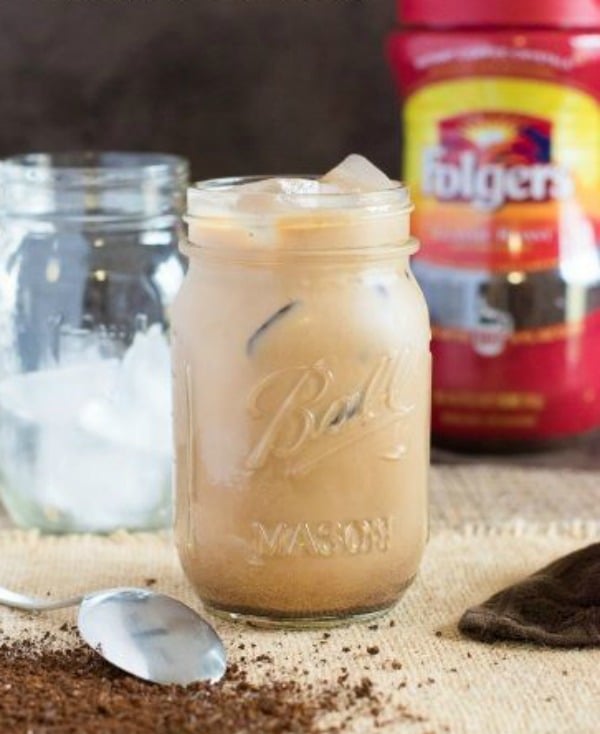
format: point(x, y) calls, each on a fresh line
point(89, 267)
point(301, 404)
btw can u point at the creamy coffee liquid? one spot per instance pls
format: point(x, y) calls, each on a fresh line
point(302, 389)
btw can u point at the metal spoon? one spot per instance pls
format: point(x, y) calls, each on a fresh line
point(150, 635)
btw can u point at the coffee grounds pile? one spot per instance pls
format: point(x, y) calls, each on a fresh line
point(75, 691)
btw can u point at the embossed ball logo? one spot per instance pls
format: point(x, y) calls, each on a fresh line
point(491, 158)
point(302, 422)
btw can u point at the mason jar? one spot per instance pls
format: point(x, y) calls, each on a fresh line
point(88, 269)
point(301, 403)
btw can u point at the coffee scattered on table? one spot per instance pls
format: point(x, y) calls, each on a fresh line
point(71, 691)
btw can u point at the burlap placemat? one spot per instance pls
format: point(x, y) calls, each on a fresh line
point(436, 681)
point(493, 494)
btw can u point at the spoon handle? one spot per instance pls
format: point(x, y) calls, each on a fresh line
point(31, 604)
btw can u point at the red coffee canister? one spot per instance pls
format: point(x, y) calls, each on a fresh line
point(501, 121)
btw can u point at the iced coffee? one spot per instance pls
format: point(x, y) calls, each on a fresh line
point(301, 397)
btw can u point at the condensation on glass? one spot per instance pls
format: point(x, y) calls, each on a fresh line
point(301, 404)
point(89, 267)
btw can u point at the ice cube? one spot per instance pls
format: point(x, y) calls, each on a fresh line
point(269, 199)
point(262, 186)
point(357, 174)
point(299, 186)
point(286, 186)
point(275, 195)
point(137, 410)
point(56, 397)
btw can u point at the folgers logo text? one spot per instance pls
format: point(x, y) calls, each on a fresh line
point(491, 158)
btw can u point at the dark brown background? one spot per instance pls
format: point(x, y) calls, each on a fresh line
point(238, 86)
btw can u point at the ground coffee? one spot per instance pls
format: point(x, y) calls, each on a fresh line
point(74, 691)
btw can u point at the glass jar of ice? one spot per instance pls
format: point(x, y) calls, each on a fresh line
point(88, 269)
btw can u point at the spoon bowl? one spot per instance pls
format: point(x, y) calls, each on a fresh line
point(143, 632)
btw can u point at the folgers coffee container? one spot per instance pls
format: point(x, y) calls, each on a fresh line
point(501, 118)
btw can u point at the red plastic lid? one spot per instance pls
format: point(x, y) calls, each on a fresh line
point(561, 13)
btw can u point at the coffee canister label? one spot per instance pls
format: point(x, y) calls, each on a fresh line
point(505, 176)
point(505, 173)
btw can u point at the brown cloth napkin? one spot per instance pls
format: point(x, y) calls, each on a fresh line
point(558, 605)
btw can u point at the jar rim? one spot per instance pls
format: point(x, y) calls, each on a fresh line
point(72, 169)
point(261, 256)
point(219, 196)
